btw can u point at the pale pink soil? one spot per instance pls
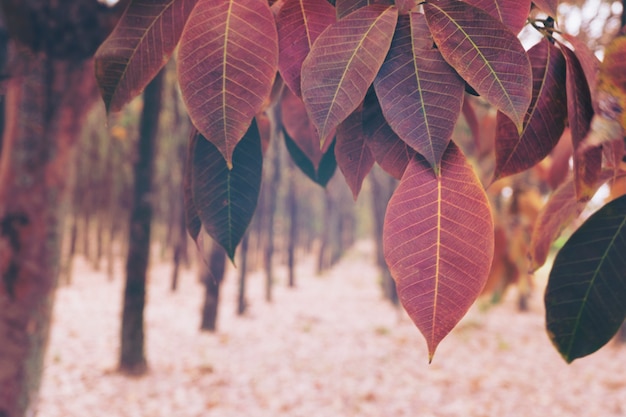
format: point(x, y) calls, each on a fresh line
point(330, 348)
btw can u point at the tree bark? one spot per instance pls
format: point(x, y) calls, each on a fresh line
point(212, 278)
point(243, 271)
point(45, 107)
point(132, 352)
point(292, 239)
point(271, 199)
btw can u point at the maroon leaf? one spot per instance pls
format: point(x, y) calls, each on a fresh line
point(299, 23)
point(438, 240)
point(354, 158)
point(345, 7)
point(587, 164)
point(559, 212)
point(547, 6)
point(419, 93)
point(589, 62)
point(545, 120)
point(513, 13)
point(225, 199)
point(390, 152)
point(343, 63)
point(300, 129)
point(485, 53)
point(139, 46)
point(227, 63)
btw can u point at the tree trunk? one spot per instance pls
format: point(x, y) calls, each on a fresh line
point(212, 278)
point(382, 188)
point(292, 239)
point(132, 353)
point(243, 270)
point(45, 107)
point(271, 199)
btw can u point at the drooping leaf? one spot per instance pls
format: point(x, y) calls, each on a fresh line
point(345, 7)
point(587, 59)
point(419, 93)
point(485, 53)
point(587, 285)
point(225, 199)
point(327, 166)
point(227, 62)
point(588, 163)
point(139, 46)
point(547, 6)
point(343, 63)
point(438, 241)
point(513, 13)
point(390, 152)
point(300, 129)
point(546, 117)
point(192, 218)
point(353, 156)
point(299, 23)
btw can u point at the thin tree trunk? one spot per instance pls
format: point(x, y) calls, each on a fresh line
point(292, 209)
point(272, 197)
point(212, 278)
point(381, 193)
point(132, 352)
point(243, 270)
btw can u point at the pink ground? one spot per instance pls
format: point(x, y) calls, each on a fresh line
point(330, 348)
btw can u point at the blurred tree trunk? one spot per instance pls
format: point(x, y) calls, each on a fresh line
point(292, 211)
point(382, 188)
point(45, 108)
point(132, 352)
point(212, 277)
point(271, 200)
point(243, 270)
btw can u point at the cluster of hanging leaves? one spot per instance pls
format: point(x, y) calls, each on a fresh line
point(351, 83)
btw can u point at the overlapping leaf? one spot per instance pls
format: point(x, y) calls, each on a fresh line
point(300, 129)
point(327, 165)
point(354, 158)
point(547, 6)
point(513, 13)
point(587, 164)
point(345, 7)
point(419, 93)
point(485, 53)
point(438, 240)
point(343, 63)
point(546, 117)
point(299, 23)
point(225, 199)
point(587, 286)
point(390, 152)
point(139, 46)
point(227, 63)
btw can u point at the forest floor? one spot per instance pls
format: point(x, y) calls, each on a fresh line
point(329, 348)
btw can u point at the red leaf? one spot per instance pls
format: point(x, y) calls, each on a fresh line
point(139, 46)
point(299, 23)
point(343, 63)
point(345, 7)
point(419, 93)
point(485, 53)
point(438, 241)
point(545, 121)
point(547, 6)
point(354, 158)
point(558, 213)
point(587, 164)
point(227, 63)
point(513, 13)
point(390, 152)
point(300, 129)
point(587, 59)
